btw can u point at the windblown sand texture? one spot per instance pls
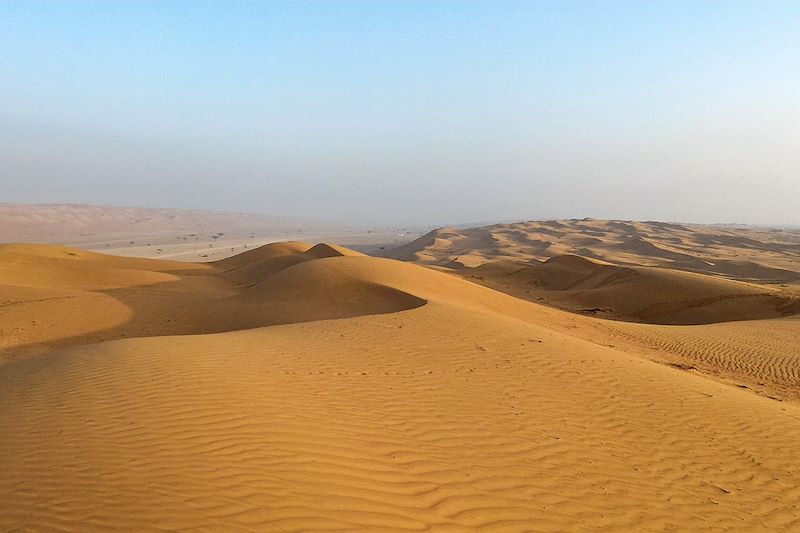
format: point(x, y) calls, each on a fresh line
point(298, 387)
point(734, 291)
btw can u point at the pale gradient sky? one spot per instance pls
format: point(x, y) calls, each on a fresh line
point(407, 112)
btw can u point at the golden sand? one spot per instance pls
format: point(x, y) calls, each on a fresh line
point(298, 388)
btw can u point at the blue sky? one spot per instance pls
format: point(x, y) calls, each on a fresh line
point(406, 112)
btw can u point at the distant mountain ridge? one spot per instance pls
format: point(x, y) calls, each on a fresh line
point(66, 222)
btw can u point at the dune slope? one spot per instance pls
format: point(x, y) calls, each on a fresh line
point(639, 294)
point(760, 255)
point(456, 408)
point(54, 296)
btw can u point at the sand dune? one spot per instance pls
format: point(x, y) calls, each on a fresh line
point(640, 294)
point(396, 397)
point(57, 296)
point(760, 255)
point(651, 272)
point(761, 355)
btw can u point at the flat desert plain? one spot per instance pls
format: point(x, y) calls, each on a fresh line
point(181, 234)
point(577, 375)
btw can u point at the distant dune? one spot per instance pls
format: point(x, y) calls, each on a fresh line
point(298, 387)
point(760, 255)
point(737, 288)
point(640, 294)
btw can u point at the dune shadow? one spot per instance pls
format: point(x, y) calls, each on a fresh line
point(204, 301)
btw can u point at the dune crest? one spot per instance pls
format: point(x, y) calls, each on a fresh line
point(55, 296)
point(638, 294)
point(383, 396)
point(760, 255)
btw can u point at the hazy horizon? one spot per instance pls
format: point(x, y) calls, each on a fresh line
point(367, 224)
point(406, 113)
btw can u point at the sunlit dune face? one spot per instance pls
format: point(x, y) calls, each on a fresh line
point(387, 395)
point(60, 296)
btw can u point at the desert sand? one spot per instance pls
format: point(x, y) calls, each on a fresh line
point(764, 255)
point(297, 387)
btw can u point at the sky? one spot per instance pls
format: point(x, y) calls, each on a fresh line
point(406, 112)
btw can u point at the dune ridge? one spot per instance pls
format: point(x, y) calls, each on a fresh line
point(751, 254)
point(638, 294)
point(54, 296)
point(398, 398)
point(735, 288)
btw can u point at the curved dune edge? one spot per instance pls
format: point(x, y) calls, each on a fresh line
point(474, 411)
point(55, 296)
point(650, 272)
point(636, 294)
